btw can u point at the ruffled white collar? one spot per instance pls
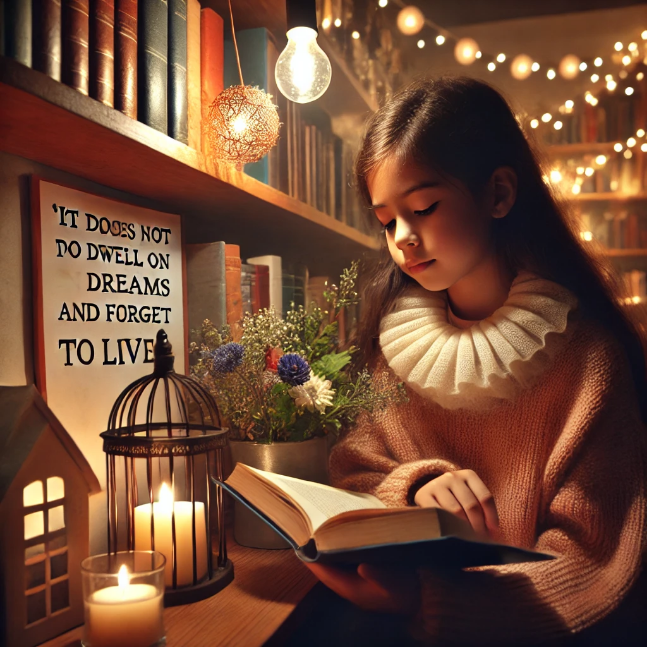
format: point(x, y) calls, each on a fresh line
point(491, 360)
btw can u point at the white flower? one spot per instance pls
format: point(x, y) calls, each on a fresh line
point(315, 393)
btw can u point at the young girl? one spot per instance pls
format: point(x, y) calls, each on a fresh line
point(524, 376)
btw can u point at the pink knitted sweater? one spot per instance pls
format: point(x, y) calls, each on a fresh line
point(564, 456)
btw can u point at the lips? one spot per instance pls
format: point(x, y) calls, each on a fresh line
point(420, 267)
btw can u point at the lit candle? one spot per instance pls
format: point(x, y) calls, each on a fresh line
point(183, 535)
point(127, 615)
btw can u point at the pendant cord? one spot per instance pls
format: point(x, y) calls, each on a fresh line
point(233, 35)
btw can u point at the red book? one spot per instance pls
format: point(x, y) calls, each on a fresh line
point(261, 288)
point(234, 296)
point(76, 50)
point(46, 38)
point(126, 57)
point(212, 56)
point(102, 51)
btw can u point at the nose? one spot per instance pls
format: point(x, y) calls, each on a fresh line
point(405, 236)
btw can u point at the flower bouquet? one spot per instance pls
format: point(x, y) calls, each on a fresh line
point(288, 379)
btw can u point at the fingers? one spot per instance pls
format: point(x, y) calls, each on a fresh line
point(485, 499)
point(470, 505)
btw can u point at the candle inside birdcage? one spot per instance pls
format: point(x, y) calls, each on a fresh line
point(163, 444)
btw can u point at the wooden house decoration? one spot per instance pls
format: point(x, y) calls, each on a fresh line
point(44, 521)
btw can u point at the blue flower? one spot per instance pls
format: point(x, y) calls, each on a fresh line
point(227, 357)
point(293, 369)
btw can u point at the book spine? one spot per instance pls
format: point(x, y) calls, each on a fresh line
point(178, 127)
point(152, 105)
point(206, 286)
point(46, 37)
point(211, 65)
point(75, 67)
point(126, 57)
point(102, 51)
point(194, 109)
point(18, 30)
point(263, 287)
point(233, 283)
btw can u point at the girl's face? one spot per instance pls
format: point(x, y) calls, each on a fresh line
point(435, 229)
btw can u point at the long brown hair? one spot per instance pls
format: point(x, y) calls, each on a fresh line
point(464, 129)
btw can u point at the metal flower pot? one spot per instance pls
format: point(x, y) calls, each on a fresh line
point(306, 460)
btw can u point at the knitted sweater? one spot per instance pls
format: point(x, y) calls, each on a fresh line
point(556, 436)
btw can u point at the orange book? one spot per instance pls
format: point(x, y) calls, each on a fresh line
point(234, 293)
point(212, 57)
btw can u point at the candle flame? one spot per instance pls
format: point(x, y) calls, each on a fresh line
point(123, 578)
point(166, 497)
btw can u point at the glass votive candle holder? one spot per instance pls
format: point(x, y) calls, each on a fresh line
point(123, 597)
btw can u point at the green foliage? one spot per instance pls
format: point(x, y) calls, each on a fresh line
point(253, 400)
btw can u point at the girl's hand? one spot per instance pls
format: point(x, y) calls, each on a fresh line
point(465, 495)
point(373, 588)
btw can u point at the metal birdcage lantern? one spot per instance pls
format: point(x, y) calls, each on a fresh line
point(164, 436)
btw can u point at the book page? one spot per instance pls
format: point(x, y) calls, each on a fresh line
point(321, 502)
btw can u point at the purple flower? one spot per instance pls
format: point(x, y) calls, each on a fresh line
point(227, 357)
point(293, 369)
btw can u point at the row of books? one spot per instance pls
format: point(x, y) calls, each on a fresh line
point(622, 229)
point(618, 174)
point(223, 288)
point(616, 117)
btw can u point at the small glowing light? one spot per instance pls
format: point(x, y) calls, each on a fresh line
point(337, 22)
point(551, 74)
point(608, 77)
point(640, 132)
point(588, 171)
point(569, 66)
point(598, 62)
point(635, 299)
point(383, 3)
point(501, 58)
point(410, 20)
point(478, 54)
point(643, 148)
point(491, 66)
point(535, 67)
point(583, 66)
point(632, 47)
point(558, 125)
point(166, 497)
point(617, 147)
point(421, 44)
point(579, 181)
point(593, 101)
point(534, 123)
point(628, 154)
point(239, 124)
point(576, 189)
point(123, 578)
point(618, 46)
point(555, 176)
point(440, 39)
point(611, 86)
point(631, 142)
point(601, 160)
point(586, 235)
point(355, 35)
point(644, 35)
point(325, 23)
point(580, 170)
point(569, 104)
point(546, 117)
point(640, 76)
point(595, 78)
point(626, 60)
point(465, 51)
point(629, 91)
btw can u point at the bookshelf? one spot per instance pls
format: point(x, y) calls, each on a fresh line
point(48, 122)
point(608, 197)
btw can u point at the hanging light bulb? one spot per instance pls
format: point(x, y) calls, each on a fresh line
point(500, 58)
point(521, 67)
point(491, 66)
point(535, 67)
point(551, 74)
point(534, 123)
point(569, 66)
point(303, 70)
point(410, 20)
point(440, 39)
point(465, 51)
point(598, 62)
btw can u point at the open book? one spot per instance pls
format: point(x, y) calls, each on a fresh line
point(328, 525)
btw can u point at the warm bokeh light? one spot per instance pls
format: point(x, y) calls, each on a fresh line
point(491, 66)
point(551, 74)
point(555, 176)
point(440, 39)
point(534, 123)
point(586, 235)
point(628, 154)
point(595, 78)
point(576, 188)
point(521, 66)
point(569, 104)
point(631, 142)
point(629, 91)
point(611, 85)
point(383, 3)
point(640, 132)
point(618, 46)
point(626, 60)
point(355, 35)
point(598, 62)
point(535, 67)
point(465, 51)
point(500, 58)
point(325, 23)
point(546, 117)
point(558, 125)
point(337, 22)
point(569, 66)
point(632, 47)
point(583, 67)
point(410, 20)
point(601, 160)
point(421, 44)
point(588, 171)
point(617, 147)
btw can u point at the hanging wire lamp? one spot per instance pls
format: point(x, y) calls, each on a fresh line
point(243, 123)
point(166, 427)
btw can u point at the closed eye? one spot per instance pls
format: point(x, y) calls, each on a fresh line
point(389, 226)
point(427, 211)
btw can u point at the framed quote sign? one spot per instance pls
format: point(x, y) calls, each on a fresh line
point(107, 276)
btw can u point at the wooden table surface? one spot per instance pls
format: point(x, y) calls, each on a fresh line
point(267, 586)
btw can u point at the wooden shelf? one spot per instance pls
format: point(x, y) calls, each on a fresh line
point(580, 148)
point(626, 253)
point(48, 122)
point(608, 197)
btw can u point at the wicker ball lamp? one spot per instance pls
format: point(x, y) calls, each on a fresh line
point(164, 440)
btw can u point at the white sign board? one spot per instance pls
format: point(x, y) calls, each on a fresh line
point(107, 277)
